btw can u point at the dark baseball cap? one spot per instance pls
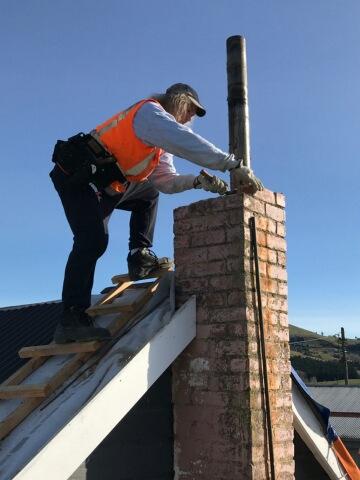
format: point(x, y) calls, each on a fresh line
point(192, 94)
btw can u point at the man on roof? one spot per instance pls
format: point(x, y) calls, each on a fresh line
point(124, 163)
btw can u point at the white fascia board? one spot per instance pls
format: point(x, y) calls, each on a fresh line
point(311, 432)
point(63, 454)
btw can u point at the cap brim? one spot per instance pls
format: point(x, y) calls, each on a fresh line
point(200, 112)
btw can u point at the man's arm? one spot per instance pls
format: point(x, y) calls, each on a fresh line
point(156, 127)
point(166, 179)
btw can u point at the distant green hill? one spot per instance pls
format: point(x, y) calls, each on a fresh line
point(319, 357)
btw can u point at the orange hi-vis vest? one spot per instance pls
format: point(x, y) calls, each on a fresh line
point(136, 159)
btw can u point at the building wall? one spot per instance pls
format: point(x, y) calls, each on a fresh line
point(353, 447)
point(141, 446)
point(306, 465)
point(220, 425)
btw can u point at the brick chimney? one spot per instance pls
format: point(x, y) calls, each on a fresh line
point(218, 389)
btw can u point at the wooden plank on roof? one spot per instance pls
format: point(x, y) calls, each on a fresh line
point(27, 406)
point(59, 349)
point(125, 277)
point(110, 308)
point(112, 295)
point(24, 371)
point(24, 391)
point(18, 415)
point(119, 322)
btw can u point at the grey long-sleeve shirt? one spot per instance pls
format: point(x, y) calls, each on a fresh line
point(156, 127)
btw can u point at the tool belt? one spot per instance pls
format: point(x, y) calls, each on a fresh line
point(85, 160)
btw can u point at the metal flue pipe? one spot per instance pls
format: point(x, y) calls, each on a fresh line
point(239, 130)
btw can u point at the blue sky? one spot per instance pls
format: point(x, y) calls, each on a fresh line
point(67, 66)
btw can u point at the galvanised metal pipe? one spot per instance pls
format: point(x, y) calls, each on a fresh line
point(239, 130)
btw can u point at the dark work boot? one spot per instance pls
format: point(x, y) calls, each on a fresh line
point(143, 262)
point(77, 326)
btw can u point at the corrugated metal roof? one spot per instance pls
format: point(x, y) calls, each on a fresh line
point(24, 326)
point(338, 398)
point(341, 399)
point(347, 428)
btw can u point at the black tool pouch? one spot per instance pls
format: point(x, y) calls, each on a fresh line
point(107, 174)
point(85, 161)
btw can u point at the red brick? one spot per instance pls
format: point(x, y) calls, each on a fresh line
point(191, 255)
point(277, 303)
point(235, 298)
point(238, 365)
point(280, 229)
point(267, 255)
point(275, 213)
point(264, 223)
point(182, 241)
point(225, 282)
point(283, 288)
point(261, 238)
point(266, 196)
point(219, 364)
point(233, 383)
point(180, 212)
point(198, 347)
point(182, 396)
point(219, 252)
point(203, 238)
point(284, 322)
point(280, 199)
point(282, 335)
point(198, 380)
point(239, 329)
point(254, 205)
point(254, 382)
point(212, 399)
point(284, 450)
point(283, 401)
point(277, 272)
point(253, 348)
point(268, 285)
point(254, 364)
point(230, 347)
point(203, 331)
point(282, 434)
point(235, 234)
point(200, 269)
point(276, 243)
point(222, 315)
point(274, 382)
point(281, 258)
point(270, 316)
point(193, 285)
point(213, 299)
point(196, 422)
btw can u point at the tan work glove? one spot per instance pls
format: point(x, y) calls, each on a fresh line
point(245, 176)
point(210, 183)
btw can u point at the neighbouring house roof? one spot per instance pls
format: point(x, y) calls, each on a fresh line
point(338, 398)
point(341, 399)
point(24, 326)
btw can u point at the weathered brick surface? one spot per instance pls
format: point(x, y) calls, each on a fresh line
point(218, 381)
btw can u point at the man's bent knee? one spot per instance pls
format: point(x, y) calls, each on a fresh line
point(91, 246)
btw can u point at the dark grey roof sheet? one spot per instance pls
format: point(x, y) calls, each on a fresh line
point(338, 398)
point(347, 428)
point(24, 326)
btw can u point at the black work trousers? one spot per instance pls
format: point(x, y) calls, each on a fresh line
point(88, 212)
